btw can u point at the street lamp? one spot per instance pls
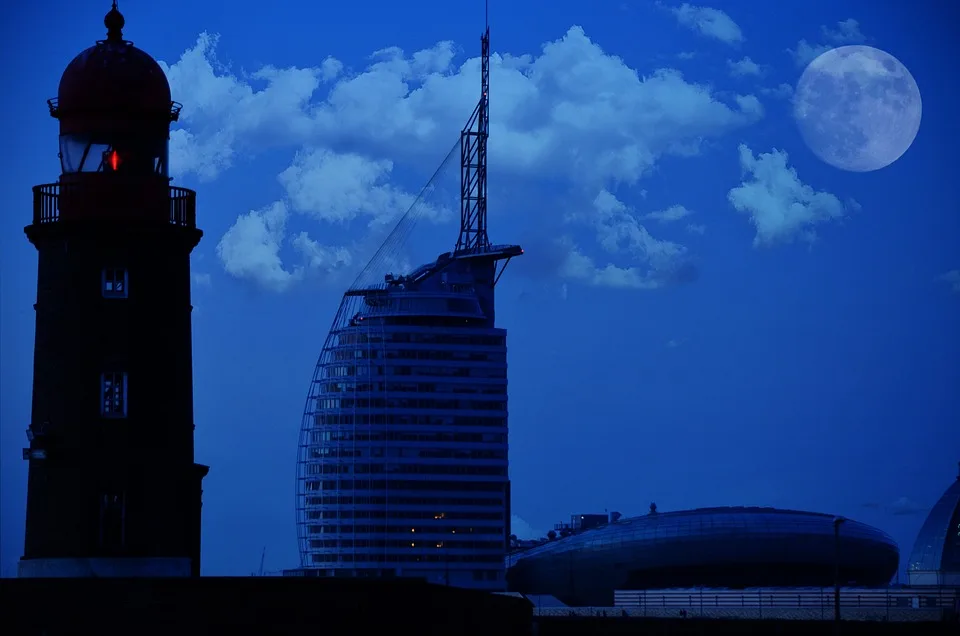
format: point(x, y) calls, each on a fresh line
point(837, 522)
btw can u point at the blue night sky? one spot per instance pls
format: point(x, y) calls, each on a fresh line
point(706, 314)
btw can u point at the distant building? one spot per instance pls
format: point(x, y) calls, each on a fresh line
point(402, 468)
point(113, 490)
point(709, 547)
point(935, 559)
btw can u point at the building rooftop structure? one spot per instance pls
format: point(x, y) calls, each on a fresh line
point(935, 558)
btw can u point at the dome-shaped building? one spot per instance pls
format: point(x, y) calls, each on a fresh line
point(935, 559)
point(732, 547)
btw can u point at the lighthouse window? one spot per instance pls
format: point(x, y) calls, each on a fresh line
point(113, 390)
point(137, 155)
point(71, 153)
point(114, 283)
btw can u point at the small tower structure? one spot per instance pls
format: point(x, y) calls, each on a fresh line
point(113, 489)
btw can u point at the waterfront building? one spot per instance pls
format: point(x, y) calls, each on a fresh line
point(728, 547)
point(402, 467)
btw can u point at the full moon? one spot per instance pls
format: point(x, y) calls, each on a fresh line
point(858, 108)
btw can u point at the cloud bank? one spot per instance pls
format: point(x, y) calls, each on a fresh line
point(572, 115)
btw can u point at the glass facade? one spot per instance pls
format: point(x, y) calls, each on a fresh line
point(935, 559)
point(715, 547)
point(403, 448)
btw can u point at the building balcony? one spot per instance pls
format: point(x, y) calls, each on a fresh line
point(101, 198)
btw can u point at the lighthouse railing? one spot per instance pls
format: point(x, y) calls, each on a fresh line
point(47, 200)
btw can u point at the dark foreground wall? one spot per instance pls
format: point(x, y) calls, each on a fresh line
point(255, 605)
point(584, 626)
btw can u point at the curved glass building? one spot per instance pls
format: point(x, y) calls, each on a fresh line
point(935, 559)
point(403, 450)
point(402, 467)
point(708, 547)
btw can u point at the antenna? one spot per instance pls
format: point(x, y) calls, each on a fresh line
point(473, 160)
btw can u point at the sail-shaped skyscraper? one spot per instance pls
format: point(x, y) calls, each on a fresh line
point(402, 467)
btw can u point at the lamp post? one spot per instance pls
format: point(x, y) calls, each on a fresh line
point(837, 522)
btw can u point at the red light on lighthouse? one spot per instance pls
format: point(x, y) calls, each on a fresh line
point(114, 160)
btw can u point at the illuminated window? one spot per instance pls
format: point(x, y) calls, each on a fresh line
point(113, 391)
point(114, 283)
point(141, 155)
point(111, 161)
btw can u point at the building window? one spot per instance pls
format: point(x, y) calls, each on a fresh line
point(113, 522)
point(113, 390)
point(114, 283)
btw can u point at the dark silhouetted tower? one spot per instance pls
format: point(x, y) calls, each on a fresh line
point(113, 489)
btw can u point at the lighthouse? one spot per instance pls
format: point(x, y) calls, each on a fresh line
point(113, 489)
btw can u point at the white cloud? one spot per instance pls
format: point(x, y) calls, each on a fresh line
point(710, 22)
point(583, 269)
point(653, 263)
point(696, 228)
point(201, 279)
point(573, 109)
point(319, 257)
point(572, 114)
point(338, 188)
point(618, 229)
point(330, 69)
point(846, 32)
point(780, 206)
point(781, 91)
point(744, 67)
point(224, 112)
point(331, 187)
point(251, 248)
point(750, 104)
point(668, 215)
point(953, 279)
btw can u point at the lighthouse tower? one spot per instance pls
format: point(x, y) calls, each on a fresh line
point(113, 489)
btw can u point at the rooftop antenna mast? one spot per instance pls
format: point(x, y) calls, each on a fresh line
point(473, 160)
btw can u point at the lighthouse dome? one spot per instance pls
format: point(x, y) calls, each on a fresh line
point(113, 75)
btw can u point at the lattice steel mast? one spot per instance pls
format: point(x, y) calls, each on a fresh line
point(473, 164)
